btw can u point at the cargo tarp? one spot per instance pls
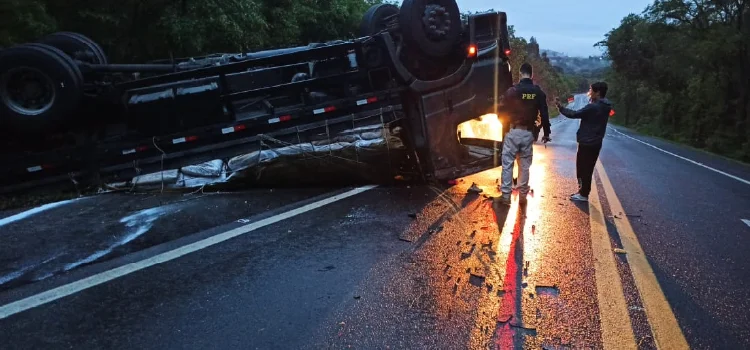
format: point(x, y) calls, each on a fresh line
point(362, 150)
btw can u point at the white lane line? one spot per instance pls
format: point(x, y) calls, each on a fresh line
point(746, 221)
point(106, 276)
point(747, 182)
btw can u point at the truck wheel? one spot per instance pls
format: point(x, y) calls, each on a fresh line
point(376, 18)
point(76, 71)
point(39, 87)
point(76, 46)
point(433, 27)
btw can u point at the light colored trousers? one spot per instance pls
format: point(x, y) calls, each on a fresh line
point(517, 143)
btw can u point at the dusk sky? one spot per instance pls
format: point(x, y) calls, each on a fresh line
point(571, 27)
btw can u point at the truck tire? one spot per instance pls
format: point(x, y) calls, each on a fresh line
point(374, 20)
point(39, 87)
point(76, 46)
point(433, 27)
point(76, 70)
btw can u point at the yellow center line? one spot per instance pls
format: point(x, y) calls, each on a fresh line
point(617, 331)
point(667, 332)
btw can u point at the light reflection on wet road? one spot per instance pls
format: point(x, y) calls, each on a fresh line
point(391, 268)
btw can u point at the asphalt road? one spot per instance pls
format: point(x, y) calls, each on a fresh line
point(654, 260)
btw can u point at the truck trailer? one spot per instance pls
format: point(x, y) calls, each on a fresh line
point(418, 71)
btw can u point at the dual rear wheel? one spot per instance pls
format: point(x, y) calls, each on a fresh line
point(41, 83)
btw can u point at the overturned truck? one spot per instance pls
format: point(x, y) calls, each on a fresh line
point(420, 87)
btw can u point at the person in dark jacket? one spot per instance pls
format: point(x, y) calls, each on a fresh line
point(594, 118)
point(526, 101)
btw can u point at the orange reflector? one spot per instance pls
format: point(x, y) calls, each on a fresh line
point(472, 50)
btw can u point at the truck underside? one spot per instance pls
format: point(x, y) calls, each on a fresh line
point(417, 94)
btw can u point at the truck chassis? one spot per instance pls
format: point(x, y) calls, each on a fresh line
point(68, 114)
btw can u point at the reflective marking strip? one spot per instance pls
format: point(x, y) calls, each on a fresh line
point(232, 129)
point(184, 139)
point(366, 101)
point(283, 118)
point(34, 168)
point(324, 110)
point(133, 150)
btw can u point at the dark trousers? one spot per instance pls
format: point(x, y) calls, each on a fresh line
point(585, 163)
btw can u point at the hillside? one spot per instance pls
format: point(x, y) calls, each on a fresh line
point(586, 66)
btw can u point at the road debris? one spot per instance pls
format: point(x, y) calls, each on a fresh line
point(412, 215)
point(474, 188)
point(620, 251)
point(476, 280)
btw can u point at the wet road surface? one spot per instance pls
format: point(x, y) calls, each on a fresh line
point(654, 260)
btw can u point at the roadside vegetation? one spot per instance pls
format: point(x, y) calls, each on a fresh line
point(681, 71)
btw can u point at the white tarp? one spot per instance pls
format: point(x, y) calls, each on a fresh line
point(274, 157)
point(207, 169)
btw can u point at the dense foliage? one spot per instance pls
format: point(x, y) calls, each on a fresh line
point(681, 70)
point(138, 30)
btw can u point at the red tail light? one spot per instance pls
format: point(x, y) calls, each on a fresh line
point(612, 113)
point(507, 52)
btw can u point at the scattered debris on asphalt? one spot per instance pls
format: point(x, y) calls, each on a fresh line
point(476, 280)
point(474, 189)
point(620, 251)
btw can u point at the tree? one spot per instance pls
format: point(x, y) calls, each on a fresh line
point(681, 70)
point(139, 30)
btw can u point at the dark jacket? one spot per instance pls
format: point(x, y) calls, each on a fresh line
point(526, 101)
point(594, 118)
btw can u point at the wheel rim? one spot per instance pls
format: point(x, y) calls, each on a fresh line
point(27, 91)
point(436, 22)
